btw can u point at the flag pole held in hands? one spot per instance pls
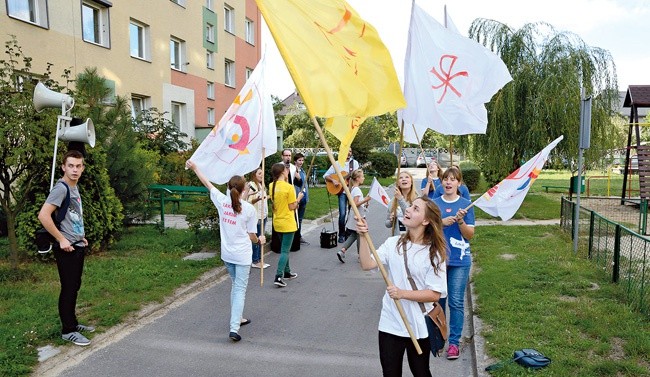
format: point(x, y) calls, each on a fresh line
point(353, 205)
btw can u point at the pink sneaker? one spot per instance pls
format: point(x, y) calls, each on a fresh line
point(453, 352)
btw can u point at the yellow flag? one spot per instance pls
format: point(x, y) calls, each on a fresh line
point(345, 129)
point(337, 60)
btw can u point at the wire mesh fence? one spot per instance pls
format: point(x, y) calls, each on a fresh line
point(613, 246)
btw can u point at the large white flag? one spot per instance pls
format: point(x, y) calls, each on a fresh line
point(447, 79)
point(505, 198)
point(234, 146)
point(378, 193)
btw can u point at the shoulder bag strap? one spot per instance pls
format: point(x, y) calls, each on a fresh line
point(410, 278)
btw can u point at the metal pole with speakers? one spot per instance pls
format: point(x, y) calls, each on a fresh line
point(67, 128)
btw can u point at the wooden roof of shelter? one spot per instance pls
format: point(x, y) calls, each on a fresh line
point(637, 95)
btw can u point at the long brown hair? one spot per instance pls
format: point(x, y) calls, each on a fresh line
point(410, 196)
point(433, 234)
point(276, 172)
point(236, 185)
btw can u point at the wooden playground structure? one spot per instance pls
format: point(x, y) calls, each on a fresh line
point(637, 96)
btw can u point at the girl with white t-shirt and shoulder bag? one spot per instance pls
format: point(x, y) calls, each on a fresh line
point(356, 180)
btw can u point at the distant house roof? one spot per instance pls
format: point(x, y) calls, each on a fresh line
point(638, 95)
point(292, 104)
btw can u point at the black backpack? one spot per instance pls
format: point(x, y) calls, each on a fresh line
point(42, 238)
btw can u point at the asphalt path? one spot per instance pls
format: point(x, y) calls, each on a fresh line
point(324, 323)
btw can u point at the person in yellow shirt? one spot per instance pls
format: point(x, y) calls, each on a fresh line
point(285, 203)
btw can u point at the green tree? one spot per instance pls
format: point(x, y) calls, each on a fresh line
point(25, 135)
point(543, 100)
point(157, 133)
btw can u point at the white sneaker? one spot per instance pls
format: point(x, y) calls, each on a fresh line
point(76, 338)
point(266, 265)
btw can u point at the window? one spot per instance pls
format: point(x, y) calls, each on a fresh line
point(33, 11)
point(177, 114)
point(139, 40)
point(179, 2)
point(249, 72)
point(250, 31)
point(138, 104)
point(209, 58)
point(209, 33)
point(229, 19)
point(95, 23)
point(210, 116)
point(210, 90)
point(229, 78)
point(177, 54)
point(209, 4)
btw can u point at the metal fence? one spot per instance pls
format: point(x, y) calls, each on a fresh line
point(614, 247)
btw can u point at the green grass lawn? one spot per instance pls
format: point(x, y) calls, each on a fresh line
point(533, 292)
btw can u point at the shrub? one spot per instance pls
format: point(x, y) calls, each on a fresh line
point(471, 175)
point(384, 163)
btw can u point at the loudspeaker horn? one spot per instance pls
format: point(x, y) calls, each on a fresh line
point(44, 98)
point(77, 131)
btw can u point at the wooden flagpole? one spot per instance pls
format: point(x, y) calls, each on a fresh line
point(384, 274)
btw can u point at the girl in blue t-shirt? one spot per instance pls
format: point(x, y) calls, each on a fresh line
point(432, 180)
point(458, 227)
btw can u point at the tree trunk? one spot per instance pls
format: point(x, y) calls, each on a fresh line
point(13, 241)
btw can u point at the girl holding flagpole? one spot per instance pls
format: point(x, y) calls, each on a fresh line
point(458, 227)
point(237, 229)
point(356, 180)
point(285, 202)
point(463, 191)
point(405, 193)
point(432, 180)
point(423, 249)
point(257, 197)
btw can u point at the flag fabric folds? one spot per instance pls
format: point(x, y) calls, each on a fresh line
point(448, 78)
point(336, 59)
point(504, 199)
point(234, 146)
point(378, 193)
point(345, 129)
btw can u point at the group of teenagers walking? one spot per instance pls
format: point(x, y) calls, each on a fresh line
point(430, 247)
point(427, 262)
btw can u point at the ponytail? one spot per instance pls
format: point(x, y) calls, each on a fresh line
point(276, 172)
point(236, 186)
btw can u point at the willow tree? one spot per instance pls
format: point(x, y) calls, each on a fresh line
point(548, 68)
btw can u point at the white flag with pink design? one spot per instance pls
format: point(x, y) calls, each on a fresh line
point(447, 79)
point(234, 146)
point(505, 198)
point(378, 193)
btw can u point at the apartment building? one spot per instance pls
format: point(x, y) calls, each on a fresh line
point(188, 58)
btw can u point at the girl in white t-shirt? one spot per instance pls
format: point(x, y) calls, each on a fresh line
point(356, 180)
point(425, 247)
point(237, 228)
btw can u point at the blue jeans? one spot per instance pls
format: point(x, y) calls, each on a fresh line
point(257, 254)
point(239, 277)
point(343, 210)
point(457, 277)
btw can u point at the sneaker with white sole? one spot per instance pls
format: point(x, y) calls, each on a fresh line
point(76, 338)
point(290, 275)
point(279, 281)
point(453, 352)
point(341, 256)
point(84, 328)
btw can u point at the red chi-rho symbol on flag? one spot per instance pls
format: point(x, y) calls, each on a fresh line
point(445, 76)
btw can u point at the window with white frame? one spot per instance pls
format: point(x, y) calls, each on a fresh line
point(210, 116)
point(209, 4)
point(179, 2)
point(209, 59)
point(249, 72)
point(229, 78)
point(139, 40)
point(139, 103)
point(177, 114)
point(209, 33)
point(250, 31)
point(32, 11)
point(210, 90)
point(95, 23)
point(229, 18)
point(177, 53)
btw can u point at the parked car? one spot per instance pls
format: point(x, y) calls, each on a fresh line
point(423, 160)
point(403, 162)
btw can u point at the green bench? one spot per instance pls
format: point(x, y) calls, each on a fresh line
point(563, 188)
point(162, 194)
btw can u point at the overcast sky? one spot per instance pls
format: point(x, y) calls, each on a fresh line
point(620, 26)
